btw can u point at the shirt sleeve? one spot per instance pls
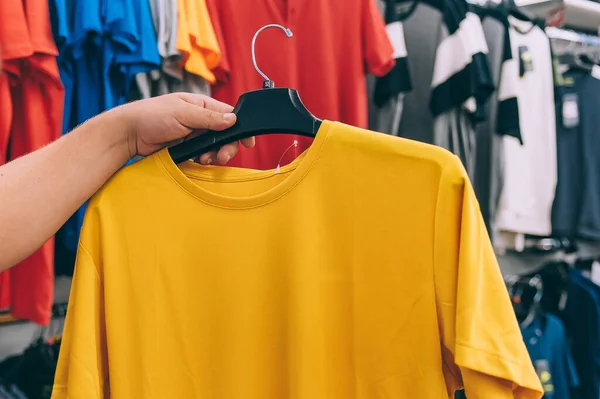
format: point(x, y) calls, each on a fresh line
point(482, 346)
point(183, 34)
point(205, 36)
point(377, 49)
point(58, 18)
point(203, 52)
point(507, 120)
point(461, 71)
point(119, 23)
point(398, 79)
point(15, 41)
point(223, 70)
point(82, 369)
point(144, 57)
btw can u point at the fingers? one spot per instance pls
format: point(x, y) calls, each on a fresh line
point(205, 102)
point(249, 142)
point(208, 158)
point(195, 118)
point(227, 152)
point(201, 112)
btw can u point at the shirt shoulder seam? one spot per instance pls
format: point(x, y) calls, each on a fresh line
point(82, 247)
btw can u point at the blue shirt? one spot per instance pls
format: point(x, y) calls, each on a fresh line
point(62, 37)
point(102, 45)
point(581, 318)
point(133, 49)
point(546, 341)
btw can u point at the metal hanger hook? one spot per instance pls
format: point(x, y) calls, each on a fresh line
point(268, 83)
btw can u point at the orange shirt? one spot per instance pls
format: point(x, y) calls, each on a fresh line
point(31, 106)
point(196, 39)
point(334, 44)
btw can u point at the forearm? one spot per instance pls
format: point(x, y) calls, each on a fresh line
point(40, 191)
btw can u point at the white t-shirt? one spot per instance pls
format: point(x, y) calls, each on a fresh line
point(530, 168)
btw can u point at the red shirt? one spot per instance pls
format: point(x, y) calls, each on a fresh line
point(31, 109)
point(334, 44)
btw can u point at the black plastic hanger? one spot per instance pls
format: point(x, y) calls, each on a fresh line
point(259, 112)
point(526, 294)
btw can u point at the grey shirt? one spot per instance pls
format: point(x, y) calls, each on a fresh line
point(171, 77)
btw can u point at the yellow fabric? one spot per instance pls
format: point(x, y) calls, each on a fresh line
point(196, 39)
point(361, 270)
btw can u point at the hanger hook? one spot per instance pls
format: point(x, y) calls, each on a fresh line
point(268, 83)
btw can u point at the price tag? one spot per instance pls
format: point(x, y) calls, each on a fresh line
point(595, 275)
point(542, 367)
point(562, 302)
point(570, 110)
point(525, 61)
point(596, 71)
point(519, 242)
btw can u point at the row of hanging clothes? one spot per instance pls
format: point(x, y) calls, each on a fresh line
point(558, 307)
point(485, 82)
point(479, 81)
point(545, 336)
point(525, 124)
point(554, 282)
point(554, 286)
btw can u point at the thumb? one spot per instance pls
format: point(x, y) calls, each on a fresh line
point(197, 118)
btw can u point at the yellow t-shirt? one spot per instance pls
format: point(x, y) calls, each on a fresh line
point(196, 39)
point(360, 270)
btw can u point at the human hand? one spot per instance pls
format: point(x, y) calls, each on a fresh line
point(167, 120)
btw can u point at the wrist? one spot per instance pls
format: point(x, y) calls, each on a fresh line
point(119, 133)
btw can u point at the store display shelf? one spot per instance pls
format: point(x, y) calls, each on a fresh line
point(576, 14)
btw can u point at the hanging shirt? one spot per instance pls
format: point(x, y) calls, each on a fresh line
point(341, 284)
point(196, 39)
point(35, 95)
point(566, 207)
point(548, 348)
point(164, 17)
point(530, 166)
point(441, 79)
point(104, 44)
point(502, 111)
point(334, 44)
point(78, 28)
point(133, 22)
point(15, 45)
point(62, 37)
point(582, 318)
point(172, 30)
point(576, 209)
